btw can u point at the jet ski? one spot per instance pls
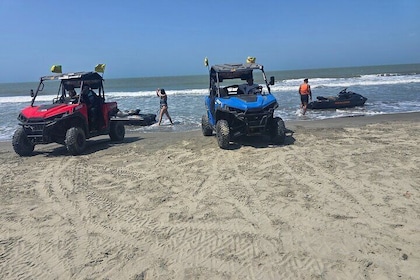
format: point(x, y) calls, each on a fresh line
point(134, 117)
point(345, 99)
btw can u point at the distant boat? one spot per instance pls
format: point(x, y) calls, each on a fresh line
point(134, 117)
point(345, 99)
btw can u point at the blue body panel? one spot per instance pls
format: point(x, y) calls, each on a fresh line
point(240, 102)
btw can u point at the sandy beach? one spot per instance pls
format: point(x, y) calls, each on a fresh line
point(340, 200)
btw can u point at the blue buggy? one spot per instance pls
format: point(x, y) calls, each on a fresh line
point(232, 112)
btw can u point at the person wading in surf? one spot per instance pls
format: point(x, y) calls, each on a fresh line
point(163, 104)
point(305, 93)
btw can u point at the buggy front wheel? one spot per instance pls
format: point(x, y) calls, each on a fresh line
point(21, 144)
point(75, 140)
point(205, 126)
point(223, 134)
point(278, 131)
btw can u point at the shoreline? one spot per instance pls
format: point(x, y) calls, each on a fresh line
point(346, 121)
point(355, 120)
point(339, 200)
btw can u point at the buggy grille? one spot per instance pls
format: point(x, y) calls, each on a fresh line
point(35, 132)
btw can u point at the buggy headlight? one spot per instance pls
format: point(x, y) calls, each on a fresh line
point(56, 117)
point(22, 118)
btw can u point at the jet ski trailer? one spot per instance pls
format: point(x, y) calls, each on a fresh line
point(134, 117)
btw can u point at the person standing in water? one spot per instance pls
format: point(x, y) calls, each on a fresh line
point(163, 105)
point(305, 93)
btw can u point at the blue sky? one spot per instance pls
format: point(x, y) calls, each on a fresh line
point(165, 38)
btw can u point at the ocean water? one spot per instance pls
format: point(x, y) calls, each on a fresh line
point(389, 89)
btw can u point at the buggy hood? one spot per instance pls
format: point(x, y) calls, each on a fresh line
point(249, 102)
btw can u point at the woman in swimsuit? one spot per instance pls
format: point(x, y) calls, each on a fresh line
point(163, 104)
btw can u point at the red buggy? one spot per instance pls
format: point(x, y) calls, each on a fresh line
point(78, 112)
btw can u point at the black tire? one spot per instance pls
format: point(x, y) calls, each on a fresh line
point(223, 134)
point(205, 126)
point(21, 143)
point(278, 131)
point(75, 140)
point(117, 131)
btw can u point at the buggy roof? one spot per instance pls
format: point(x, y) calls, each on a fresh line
point(83, 76)
point(73, 80)
point(234, 71)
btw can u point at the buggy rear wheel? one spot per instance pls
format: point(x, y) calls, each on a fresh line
point(223, 134)
point(75, 140)
point(205, 126)
point(21, 143)
point(117, 131)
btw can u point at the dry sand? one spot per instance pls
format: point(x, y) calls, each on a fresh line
point(340, 200)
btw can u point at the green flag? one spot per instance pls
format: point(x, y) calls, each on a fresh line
point(56, 69)
point(100, 68)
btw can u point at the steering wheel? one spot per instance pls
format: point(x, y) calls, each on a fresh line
point(74, 100)
point(256, 90)
point(59, 100)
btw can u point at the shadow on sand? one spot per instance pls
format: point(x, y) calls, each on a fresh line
point(261, 141)
point(92, 146)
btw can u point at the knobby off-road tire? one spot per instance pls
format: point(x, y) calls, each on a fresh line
point(117, 131)
point(75, 140)
point(21, 143)
point(222, 134)
point(205, 126)
point(278, 131)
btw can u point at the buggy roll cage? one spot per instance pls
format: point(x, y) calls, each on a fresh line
point(71, 81)
point(241, 71)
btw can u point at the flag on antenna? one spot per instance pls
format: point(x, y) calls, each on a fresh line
point(100, 68)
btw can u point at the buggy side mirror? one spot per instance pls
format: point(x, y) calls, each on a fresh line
point(272, 80)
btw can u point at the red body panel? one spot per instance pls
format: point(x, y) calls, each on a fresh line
point(106, 109)
point(46, 111)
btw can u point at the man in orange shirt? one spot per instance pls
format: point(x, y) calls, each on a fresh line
point(305, 94)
